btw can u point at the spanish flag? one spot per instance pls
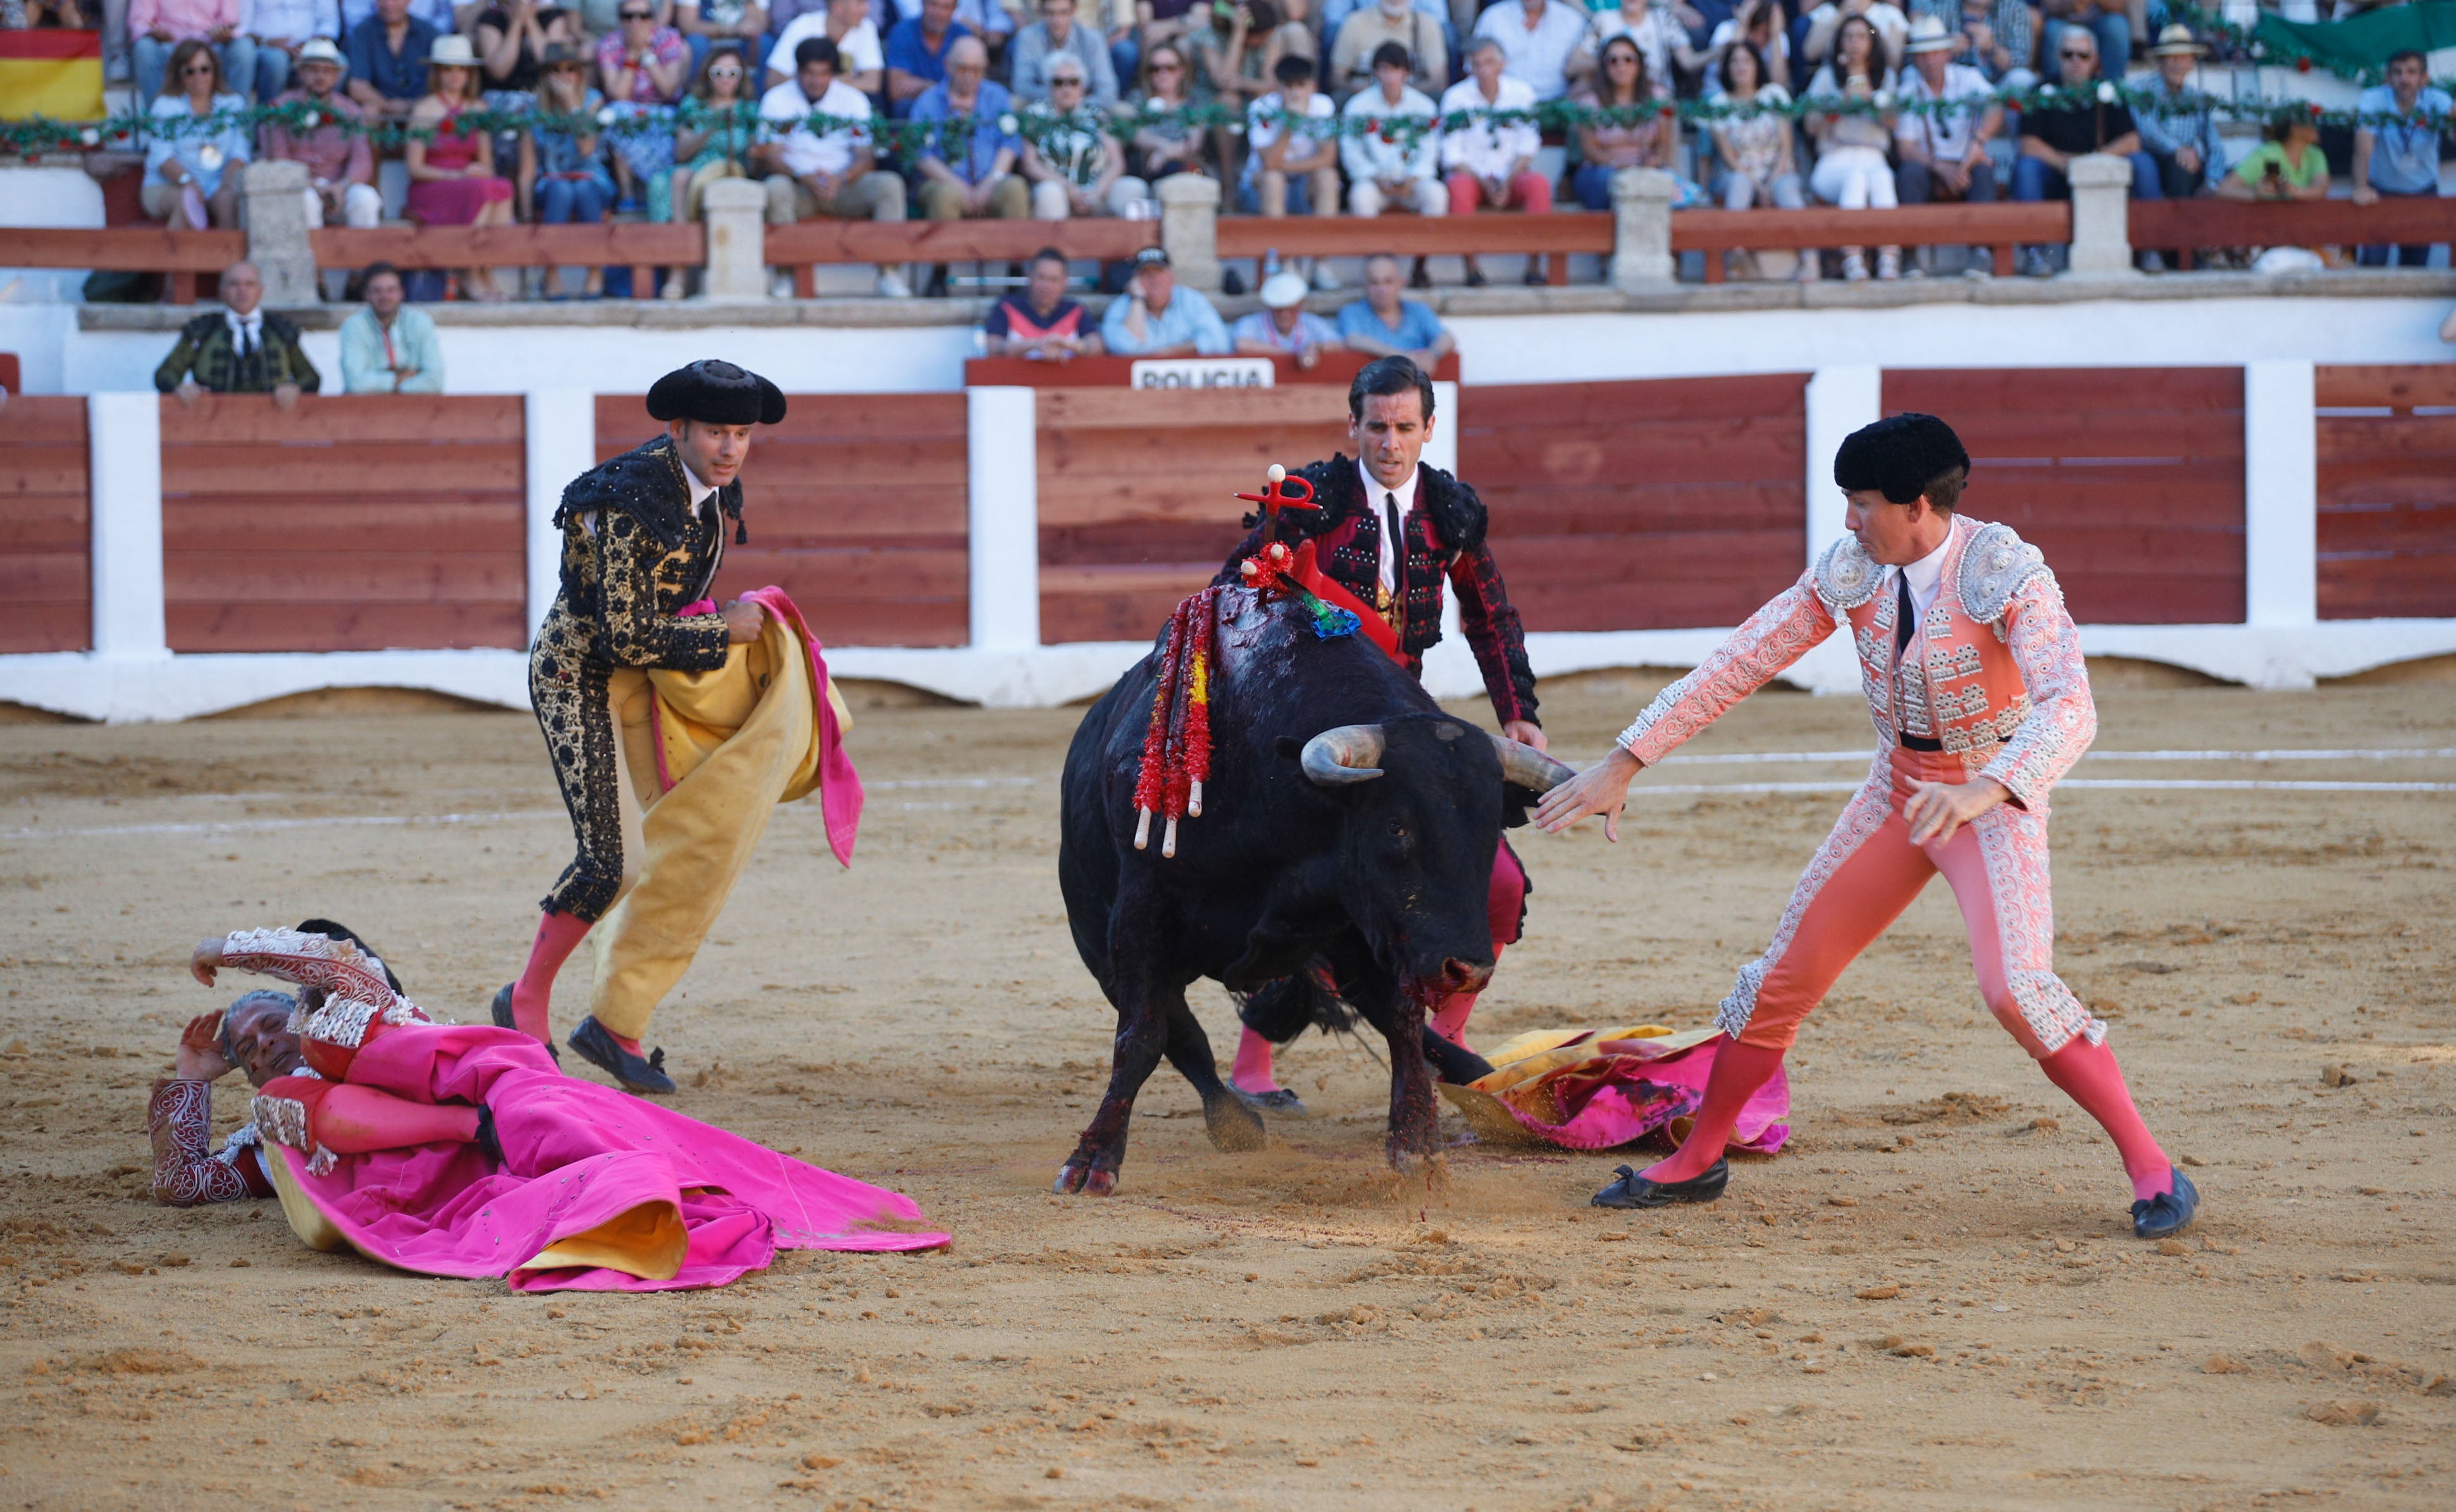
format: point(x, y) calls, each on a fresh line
point(51, 72)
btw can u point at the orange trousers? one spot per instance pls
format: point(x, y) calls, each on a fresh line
point(1868, 871)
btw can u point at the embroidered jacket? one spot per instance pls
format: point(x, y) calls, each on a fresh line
point(632, 554)
point(207, 353)
point(1445, 537)
point(349, 999)
point(185, 1176)
point(1993, 672)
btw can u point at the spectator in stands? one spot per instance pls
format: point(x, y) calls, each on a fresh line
point(1540, 38)
point(563, 179)
point(1491, 164)
point(340, 165)
point(1292, 161)
point(2400, 160)
point(1155, 318)
point(279, 28)
point(442, 15)
point(2004, 41)
point(512, 42)
point(845, 23)
point(1227, 59)
point(967, 153)
point(387, 53)
point(2179, 129)
point(2108, 22)
point(835, 174)
point(1159, 21)
point(2051, 138)
point(1755, 152)
point(1824, 30)
point(916, 54)
point(1384, 324)
point(705, 23)
point(715, 128)
point(1635, 136)
point(1660, 35)
point(452, 177)
point(1851, 167)
point(1368, 28)
point(1283, 327)
point(1758, 23)
point(1392, 167)
point(1074, 167)
point(241, 350)
point(1292, 38)
point(1163, 144)
point(28, 15)
point(1040, 321)
point(157, 27)
point(389, 347)
point(1944, 152)
point(1056, 35)
point(2286, 165)
point(643, 69)
point(191, 176)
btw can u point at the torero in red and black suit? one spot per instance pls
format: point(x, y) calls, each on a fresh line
point(1444, 531)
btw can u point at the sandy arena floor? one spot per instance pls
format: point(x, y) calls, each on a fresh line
point(1932, 1299)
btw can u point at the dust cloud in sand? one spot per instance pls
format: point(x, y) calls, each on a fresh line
point(1930, 1299)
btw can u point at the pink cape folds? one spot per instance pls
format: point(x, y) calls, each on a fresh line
point(1599, 1090)
point(840, 794)
point(577, 1157)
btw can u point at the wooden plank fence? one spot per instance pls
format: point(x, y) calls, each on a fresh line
point(2387, 491)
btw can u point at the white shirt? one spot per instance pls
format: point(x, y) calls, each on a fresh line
point(1541, 54)
point(1926, 576)
point(1375, 493)
point(1368, 158)
point(805, 151)
point(700, 491)
point(859, 47)
point(246, 329)
point(1489, 148)
point(1946, 134)
point(1261, 133)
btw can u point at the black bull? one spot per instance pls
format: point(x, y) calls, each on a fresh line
point(1345, 818)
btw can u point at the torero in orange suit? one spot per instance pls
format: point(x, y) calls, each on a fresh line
point(1980, 700)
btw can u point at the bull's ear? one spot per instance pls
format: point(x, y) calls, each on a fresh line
point(1289, 746)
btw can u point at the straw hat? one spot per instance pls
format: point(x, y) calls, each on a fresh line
point(321, 50)
point(2176, 41)
point(1283, 289)
point(1929, 36)
point(452, 53)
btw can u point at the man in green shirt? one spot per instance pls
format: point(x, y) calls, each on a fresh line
point(242, 350)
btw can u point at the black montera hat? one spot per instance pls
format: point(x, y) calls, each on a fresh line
point(1898, 457)
point(716, 393)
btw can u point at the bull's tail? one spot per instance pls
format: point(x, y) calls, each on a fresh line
point(1281, 1009)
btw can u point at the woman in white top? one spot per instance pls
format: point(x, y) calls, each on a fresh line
point(193, 175)
point(1851, 168)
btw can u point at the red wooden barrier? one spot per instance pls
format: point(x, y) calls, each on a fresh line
point(1562, 233)
point(826, 240)
point(1655, 505)
point(2387, 491)
point(641, 247)
point(1999, 226)
point(2130, 480)
point(347, 525)
point(856, 506)
point(46, 531)
point(1338, 368)
point(1138, 505)
point(2181, 225)
point(181, 255)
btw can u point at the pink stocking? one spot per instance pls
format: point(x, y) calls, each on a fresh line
point(558, 936)
point(351, 1120)
point(1252, 1071)
point(1740, 1068)
point(2088, 1074)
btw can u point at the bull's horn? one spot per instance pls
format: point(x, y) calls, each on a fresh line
point(1346, 754)
point(1528, 767)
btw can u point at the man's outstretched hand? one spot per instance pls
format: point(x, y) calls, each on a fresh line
point(206, 960)
point(1602, 788)
point(200, 1055)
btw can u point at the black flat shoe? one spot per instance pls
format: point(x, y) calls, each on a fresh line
point(596, 1046)
point(503, 1018)
point(2168, 1212)
point(1278, 1102)
point(488, 1139)
point(1475, 279)
point(1634, 1191)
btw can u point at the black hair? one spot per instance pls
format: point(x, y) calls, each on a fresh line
point(818, 49)
point(1902, 457)
point(1639, 88)
point(1722, 69)
point(2415, 54)
point(1391, 55)
point(1292, 68)
point(1384, 377)
point(1049, 254)
point(342, 931)
point(368, 274)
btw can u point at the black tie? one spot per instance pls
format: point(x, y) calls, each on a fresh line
point(1398, 549)
point(1902, 615)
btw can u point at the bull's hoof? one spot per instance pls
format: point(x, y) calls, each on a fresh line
point(1411, 1162)
point(1089, 1180)
point(1233, 1127)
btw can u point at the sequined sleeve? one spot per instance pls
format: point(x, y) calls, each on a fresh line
point(1494, 632)
point(180, 1121)
point(339, 967)
point(2063, 718)
point(1786, 629)
point(633, 633)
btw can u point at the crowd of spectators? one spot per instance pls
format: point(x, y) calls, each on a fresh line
point(1062, 109)
point(1156, 316)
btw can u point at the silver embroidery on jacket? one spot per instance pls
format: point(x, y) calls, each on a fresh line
point(1995, 566)
point(1846, 576)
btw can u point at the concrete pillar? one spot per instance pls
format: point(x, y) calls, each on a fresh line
point(1840, 399)
point(275, 216)
point(735, 210)
point(2102, 201)
point(2281, 494)
point(1189, 228)
point(1005, 514)
point(561, 434)
point(1641, 256)
point(1441, 447)
point(124, 436)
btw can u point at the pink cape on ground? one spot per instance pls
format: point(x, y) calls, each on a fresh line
point(577, 1154)
point(1626, 1089)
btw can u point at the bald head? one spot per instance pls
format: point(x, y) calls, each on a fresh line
point(967, 61)
point(242, 287)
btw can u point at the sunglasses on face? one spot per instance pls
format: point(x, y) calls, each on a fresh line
point(724, 74)
point(2078, 57)
point(1168, 67)
point(636, 16)
point(1064, 84)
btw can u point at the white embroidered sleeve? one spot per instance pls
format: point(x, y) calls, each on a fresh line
point(1774, 637)
point(2063, 718)
point(339, 967)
